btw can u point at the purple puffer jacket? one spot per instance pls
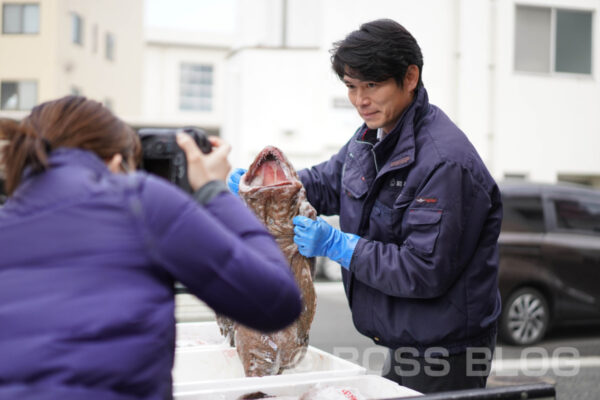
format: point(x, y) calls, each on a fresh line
point(87, 267)
point(425, 271)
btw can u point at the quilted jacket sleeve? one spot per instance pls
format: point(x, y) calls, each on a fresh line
point(222, 254)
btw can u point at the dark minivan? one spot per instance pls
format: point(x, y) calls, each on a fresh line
point(549, 258)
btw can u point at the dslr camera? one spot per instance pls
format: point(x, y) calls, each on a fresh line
point(163, 157)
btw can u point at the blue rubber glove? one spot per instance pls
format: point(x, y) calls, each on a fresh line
point(233, 180)
point(318, 238)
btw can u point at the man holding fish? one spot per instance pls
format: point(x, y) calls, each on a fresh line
point(419, 217)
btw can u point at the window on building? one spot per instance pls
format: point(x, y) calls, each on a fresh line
point(553, 40)
point(76, 29)
point(20, 18)
point(109, 50)
point(573, 41)
point(18, 95)
point(196, 87)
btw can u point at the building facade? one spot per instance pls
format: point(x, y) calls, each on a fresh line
point(51, 48)
point(183, 79)
point(520, 77)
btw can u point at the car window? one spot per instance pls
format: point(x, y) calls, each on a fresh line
point(579, 215)
point(522, 214)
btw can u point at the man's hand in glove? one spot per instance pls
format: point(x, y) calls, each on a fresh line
point(318, 238)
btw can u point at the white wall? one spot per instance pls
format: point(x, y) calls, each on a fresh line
point(164, 52)
point(274, 102)
point(546, 124)
point(531, 124)
point(472, 91)
point(293, 89)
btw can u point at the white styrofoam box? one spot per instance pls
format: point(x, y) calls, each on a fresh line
point(367, 386)
point(200, 334)
point(199, 369)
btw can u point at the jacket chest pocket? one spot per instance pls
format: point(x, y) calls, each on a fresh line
point(385, 223)
point(423, 226)
point(354, 184)
point(354, 191)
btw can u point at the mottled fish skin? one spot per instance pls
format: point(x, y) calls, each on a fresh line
point(226, 326)
point(276, 205)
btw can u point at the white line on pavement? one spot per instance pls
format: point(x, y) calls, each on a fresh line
point(536, 364)
point(329, 287)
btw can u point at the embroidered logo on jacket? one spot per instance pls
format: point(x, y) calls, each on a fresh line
point(401, 161)
point(397, 183)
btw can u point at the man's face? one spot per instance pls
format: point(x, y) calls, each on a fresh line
point(379, 104)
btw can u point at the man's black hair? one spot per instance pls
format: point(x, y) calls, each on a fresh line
point(379, 50)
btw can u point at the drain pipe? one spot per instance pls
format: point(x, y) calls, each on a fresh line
point(492, 76)
point(457, 61)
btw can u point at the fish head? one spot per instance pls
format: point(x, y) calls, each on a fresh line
point(270, 171)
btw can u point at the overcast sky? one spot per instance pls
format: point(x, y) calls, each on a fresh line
point(201, 15)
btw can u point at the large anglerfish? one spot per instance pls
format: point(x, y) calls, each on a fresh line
point(272, 190)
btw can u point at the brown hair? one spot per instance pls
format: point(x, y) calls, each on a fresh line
point(71, 121)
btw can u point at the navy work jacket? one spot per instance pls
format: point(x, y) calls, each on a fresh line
point(425, 272)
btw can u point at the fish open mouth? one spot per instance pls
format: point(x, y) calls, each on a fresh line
point(269, 169)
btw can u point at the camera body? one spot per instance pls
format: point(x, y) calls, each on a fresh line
point(163, 157)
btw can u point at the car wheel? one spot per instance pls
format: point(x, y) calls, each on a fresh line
point(525, 317)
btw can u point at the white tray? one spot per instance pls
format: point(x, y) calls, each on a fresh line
point(200, 334)
point(202, 369)
point(369, 386)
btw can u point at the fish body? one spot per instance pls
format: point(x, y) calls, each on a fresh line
point(272, 190)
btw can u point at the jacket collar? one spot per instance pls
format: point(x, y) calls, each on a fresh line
point(66, 156)
point(399, 143)
point(62, 180)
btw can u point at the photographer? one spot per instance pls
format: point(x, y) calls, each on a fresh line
point(90, 253)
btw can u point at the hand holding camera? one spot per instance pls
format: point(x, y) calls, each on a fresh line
point(186, 157)
point(202, 168)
